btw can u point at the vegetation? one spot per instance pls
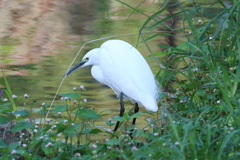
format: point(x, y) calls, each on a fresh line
point(199, 120)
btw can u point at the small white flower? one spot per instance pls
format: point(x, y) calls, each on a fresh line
point(82, 87)
point(231, 69)
point(54, 126)
point(24, 145)
point(74, 101)
point(67, 97)
point(74, 88)
point(164, 144)
point(35, 130)
point(145, 129)
point(176, 143)
point(59, 134)
point(218, 101)
point(37, 123)
point(26, 95)
point(65, 121)
point(27, 120)
point(94, 146)
point(190, 32)
point(134, 148)
point(193, 19)
point(41, 137)
point(36, 126)
point(78, 154)
point(231, 128)
point(49, 144)
point(43, 104)
point(48, 120)
point(59, 113)
point(195, 70)
point(14, 151)
point(199, 21)
point(150, 155)
point(85, 100)
point(155, 134)
point(210, 38)
point(5, 100)
point(14, 96)
point(72, 124)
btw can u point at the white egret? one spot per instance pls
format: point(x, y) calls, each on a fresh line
point(120, 66)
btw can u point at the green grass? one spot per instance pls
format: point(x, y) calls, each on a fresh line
point(200, 122)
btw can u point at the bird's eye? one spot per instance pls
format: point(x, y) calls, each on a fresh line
point(87, 59)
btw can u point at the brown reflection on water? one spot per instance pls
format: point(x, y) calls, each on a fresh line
point(39, 39)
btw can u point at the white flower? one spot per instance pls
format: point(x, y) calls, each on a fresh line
point(5, 100)
point(218, 101)
point(195, 70)
point(24, 145)
point(37, 123)
point(164, 144)
point(134, 148)
point(72, 124)
point(210, 38)
point(59, 134)
point(176, 143)
point(82, 87)
point(49, 144)
point(94, 146)
point(231, 128)
point(26, 95)
point(14, 96)
point(65, 121)
point(78, 154)
point(155, 134)
point(59, 113)
point(41, 137)
point(199, 21)
point(48, 120)
point(54, 126)
point(35, 130)
point(190, 32)
point(27, 120)
point(14, 151)
point(74, 88)
point(85, 100)
point(43, 104)
point(74, 101)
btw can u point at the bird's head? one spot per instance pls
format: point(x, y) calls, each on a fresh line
point(91, 58)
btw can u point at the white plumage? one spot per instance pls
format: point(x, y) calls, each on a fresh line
point(120, 66)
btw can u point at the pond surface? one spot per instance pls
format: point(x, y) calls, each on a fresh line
point(40, 39)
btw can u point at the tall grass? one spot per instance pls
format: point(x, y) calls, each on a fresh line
point(201, 117)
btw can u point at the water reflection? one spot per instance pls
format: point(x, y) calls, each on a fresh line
point(39, 39)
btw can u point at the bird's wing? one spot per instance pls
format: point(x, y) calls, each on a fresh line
point(127, 71)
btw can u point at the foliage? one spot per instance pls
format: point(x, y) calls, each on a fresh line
point(200, 119)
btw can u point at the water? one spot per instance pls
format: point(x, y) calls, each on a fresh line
point(40, 39)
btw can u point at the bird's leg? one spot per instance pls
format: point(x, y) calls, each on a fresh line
point(136, 109)
point(121, 111)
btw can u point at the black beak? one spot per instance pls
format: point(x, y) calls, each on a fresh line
point(74, 68)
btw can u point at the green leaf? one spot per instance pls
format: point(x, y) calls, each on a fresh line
point(71, 95)
point(5, 109)
point(109, 123)
point(71, 129)
point(88, 113)
point(2, 144)
point(118, 118)
point(113, 141)
point(95, 131)
point(12, 146)
point(4, 119)
point(21, 112)
point(91, 131)
point(60, 108)
point(21, 125)
point(136, 115)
